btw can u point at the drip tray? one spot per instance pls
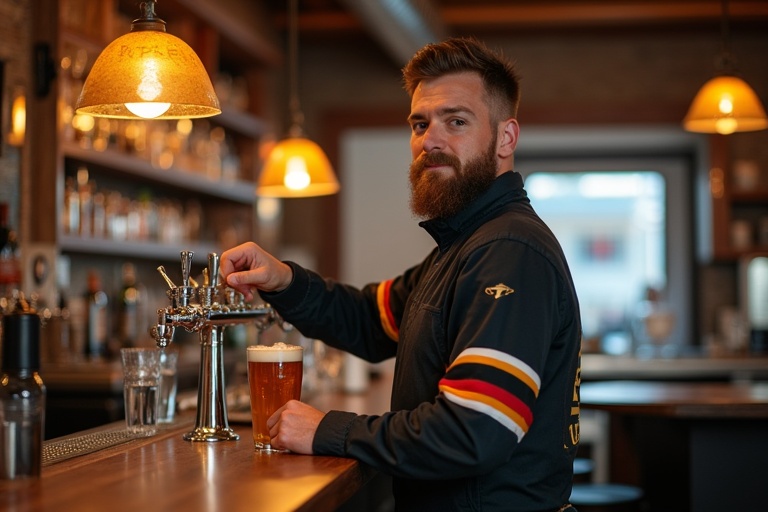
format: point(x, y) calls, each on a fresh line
point(58, 450)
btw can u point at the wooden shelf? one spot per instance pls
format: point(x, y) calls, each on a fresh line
point(241, 122)
point(758, 197)
point(133, 249)
point(237, 191)
point(732, 204)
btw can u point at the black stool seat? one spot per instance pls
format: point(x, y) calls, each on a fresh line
point(582, 466)
point(601, 495)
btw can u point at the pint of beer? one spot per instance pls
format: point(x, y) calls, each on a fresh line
point(274, 377)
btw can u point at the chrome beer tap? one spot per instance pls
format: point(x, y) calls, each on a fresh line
point(209, 317)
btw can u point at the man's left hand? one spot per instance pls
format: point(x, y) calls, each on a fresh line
point(293, 427)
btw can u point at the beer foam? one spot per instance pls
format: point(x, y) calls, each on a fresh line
point(277, 353)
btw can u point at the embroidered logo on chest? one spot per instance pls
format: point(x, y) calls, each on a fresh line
point(498, 291)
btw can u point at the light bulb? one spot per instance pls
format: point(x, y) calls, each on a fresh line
point(149, 109)
point(725, 105)
point(296, 174)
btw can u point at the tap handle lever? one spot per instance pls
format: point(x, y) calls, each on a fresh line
point(213, 269)
point(171, 284)
point(186, 266)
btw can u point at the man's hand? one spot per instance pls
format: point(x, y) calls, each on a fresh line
point(248, 267)
point(293, 427)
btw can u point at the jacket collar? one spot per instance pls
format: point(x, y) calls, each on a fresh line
point(506, 188)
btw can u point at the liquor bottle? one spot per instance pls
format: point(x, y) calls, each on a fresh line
point(22, 395)
point(85, 191)
point(10, 269)
point(129, 306)
point(96, 318)
point(71, 214)
point(4, 228)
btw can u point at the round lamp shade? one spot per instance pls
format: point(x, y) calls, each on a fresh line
point(148, 74)
point(297, 167)
point(725, 104)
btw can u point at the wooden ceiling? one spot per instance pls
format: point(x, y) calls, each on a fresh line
point(328, 18)
point(257, 28)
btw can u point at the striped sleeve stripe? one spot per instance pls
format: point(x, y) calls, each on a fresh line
point(492, 395)
point(503, 362)
point(488, 406)
point(385, 313)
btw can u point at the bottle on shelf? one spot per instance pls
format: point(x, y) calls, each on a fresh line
point(129, 306)
point(96, 318)
point(10, 268)
point(84, 187)
point(70, 218)
point(5, 229)
point(22, 395)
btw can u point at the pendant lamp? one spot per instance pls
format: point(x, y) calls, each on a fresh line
point(296, 167)
point(148, 74)
point(726, 103)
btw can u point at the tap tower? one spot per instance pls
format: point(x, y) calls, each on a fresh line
point(208, 309)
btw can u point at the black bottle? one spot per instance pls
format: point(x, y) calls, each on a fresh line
point(22, 395)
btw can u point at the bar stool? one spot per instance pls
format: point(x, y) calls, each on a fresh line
point(591, 497)
point(582, 469)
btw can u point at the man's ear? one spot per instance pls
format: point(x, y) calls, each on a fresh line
point(508, 134)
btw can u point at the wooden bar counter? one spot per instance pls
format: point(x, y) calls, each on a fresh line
point(166, 473)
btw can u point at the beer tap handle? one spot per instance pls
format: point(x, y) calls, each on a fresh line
point(186, 266)
point(171, 284)
point(213, 269)
point(193, 282)
point(206, 279)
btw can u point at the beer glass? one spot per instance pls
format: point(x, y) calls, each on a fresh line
point(274, 378)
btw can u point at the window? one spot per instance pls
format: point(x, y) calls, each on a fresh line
point(620, 203)
point(611, 225)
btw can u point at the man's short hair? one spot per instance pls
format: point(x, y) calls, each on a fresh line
point(459, 55)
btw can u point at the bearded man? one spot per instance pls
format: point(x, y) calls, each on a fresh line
point(486, 330)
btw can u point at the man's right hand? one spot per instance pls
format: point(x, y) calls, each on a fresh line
point(248, 267)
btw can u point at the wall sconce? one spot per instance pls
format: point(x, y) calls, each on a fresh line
point(296, 166)
point(18, 118)
point(726, 103)
point(148, 74)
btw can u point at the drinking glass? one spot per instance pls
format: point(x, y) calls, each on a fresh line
point(141, 380)
point(274, 378)
point(166, 408)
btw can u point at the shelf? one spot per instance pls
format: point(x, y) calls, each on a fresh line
point(759, 197)
point(133, 249)
point(241, 122)
point(245, 30)
point(237, 191)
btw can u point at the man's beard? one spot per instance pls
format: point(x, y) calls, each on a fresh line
point(434, 196)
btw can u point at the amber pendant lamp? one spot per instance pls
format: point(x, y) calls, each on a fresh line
point(297, 166)
point(148, 74)
point(726, 103)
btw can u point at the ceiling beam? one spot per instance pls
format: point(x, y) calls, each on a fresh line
point(402, 27)
point(603, 14)
point(561, 14)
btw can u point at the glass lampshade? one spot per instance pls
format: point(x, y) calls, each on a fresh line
point(297, 167)
point(148, 73)
point(725, 104)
